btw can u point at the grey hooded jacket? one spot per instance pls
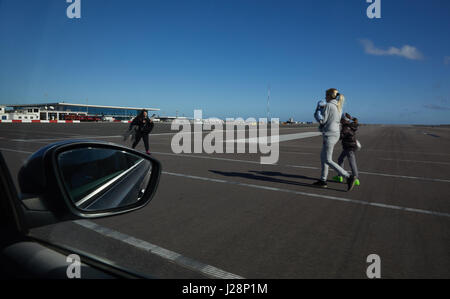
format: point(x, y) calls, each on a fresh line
point(331, 119)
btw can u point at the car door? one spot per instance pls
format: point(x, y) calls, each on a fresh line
point(23, 256)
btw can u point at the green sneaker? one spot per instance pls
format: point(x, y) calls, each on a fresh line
point(357, 183)
point(338, 179)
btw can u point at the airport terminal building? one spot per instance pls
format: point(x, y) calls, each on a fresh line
point(68, 112)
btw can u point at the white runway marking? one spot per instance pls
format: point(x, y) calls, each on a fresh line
point(207, 157)
point(406, 177)
point(174, 257)
point(402, 152)
point(287, 136)
point(415, 161)
point(13, 150)
point(341, 199)
point(366, 150)
point(281, 138)
point(383, 174)
point(73, 138)
point(305, 167)
point(297, 153)
point(257, 162)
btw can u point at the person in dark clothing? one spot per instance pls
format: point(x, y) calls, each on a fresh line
point(349, 126)
point(142, 127)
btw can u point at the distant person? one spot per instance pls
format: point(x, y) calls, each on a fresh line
point(331, 133)
point(142, 126)
point(349, 126)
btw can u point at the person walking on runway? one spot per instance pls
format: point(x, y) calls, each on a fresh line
point(142, 125)
point(349, 146)
point(331, 135)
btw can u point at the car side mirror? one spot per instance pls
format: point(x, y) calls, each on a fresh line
point(77, 179)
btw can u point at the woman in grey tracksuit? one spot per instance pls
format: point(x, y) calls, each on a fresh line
point(331, 134)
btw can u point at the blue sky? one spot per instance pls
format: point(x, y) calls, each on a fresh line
point(220, 56)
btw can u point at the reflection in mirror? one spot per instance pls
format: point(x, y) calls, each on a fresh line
point(98, 179)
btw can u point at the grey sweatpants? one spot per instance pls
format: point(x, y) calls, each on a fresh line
point(351, 159)
point(326, 157)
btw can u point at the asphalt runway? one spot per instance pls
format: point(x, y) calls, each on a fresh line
point(228, 216)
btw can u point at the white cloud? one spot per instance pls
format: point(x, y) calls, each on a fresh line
point(408, 52)
point(447, 60)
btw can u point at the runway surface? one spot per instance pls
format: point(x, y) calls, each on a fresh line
point(228, 216)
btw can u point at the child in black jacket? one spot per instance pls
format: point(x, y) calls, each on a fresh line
point(349, 145)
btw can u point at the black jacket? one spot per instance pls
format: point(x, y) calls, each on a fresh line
point(348, 135)
point(142, 125)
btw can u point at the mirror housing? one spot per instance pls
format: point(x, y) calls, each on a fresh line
point(46, 198)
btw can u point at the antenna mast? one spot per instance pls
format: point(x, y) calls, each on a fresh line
point(268, 103)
